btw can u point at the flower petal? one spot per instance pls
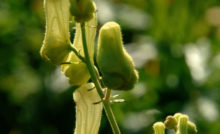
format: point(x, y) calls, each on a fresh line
point(77, 73)
point(88, 115)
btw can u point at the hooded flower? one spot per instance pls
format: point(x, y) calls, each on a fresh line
point(115, 64)
point(77, 72)
point(56, 44)
point(56, 41)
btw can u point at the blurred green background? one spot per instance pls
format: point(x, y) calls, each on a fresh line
point(176, 48)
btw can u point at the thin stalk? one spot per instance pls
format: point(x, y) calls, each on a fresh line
point(96, 81)
point(76, 53)
point(108, 94)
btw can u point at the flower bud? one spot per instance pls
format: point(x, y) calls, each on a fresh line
point(177, 116)
point(191, 128)
point(159, 128)
point(114, 62)
point(82, 10)
point(170, 123)
point(56, 41)
point(182, 125)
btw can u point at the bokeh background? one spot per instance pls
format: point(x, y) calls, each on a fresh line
point(176, 48)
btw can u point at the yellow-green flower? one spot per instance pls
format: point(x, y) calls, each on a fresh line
point(56, 44)
point(115, 64)
point(171, 122)
point(88, 115)
point(159, 128)
point(77, 72)
point(56, 41)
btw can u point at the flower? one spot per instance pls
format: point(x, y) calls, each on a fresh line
point(115, 64)
point(56, 41)
point(159, 128)
point(77, 72)
point(56, 44)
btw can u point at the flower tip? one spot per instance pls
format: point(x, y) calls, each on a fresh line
point(159, 128)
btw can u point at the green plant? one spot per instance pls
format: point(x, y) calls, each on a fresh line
point(76, 60)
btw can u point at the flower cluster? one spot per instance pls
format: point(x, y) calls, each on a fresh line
point(178, 122)
point(114, 62)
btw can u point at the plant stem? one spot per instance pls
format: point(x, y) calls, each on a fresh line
point(96, 81)
point(76, 53)
point(108, 94)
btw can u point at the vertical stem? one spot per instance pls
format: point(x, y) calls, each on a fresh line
point(108, 94)
point(95, 80)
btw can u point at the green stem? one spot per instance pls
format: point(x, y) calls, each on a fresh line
point(108, 94)
point(76, 53)
point(95, 80)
